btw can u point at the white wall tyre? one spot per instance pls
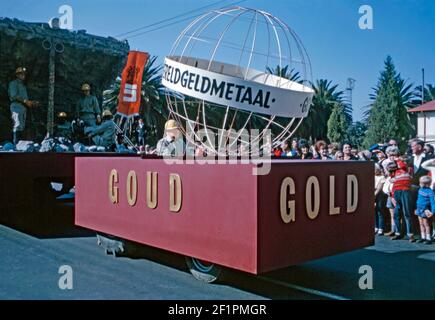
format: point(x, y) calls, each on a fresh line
point(204, 271)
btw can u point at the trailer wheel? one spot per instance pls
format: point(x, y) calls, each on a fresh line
point(203, 270)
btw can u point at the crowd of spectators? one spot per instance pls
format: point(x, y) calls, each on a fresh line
point(404, 189)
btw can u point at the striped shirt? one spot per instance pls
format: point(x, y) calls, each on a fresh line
point(401, 177)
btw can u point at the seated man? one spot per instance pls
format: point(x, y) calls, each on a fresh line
point(104, 134)
point(172, 143)
point(63, 126)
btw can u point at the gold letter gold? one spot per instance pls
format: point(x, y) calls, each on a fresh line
point(287, 207)
point(113, 190)
point(332, 209)
point(352, 185)
point(312, 212)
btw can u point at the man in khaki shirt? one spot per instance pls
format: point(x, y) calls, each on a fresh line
point(19, 103)
point(88, 107)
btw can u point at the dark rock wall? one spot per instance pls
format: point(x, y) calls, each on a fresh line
point(85, 58)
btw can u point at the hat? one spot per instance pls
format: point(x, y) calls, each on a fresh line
point(62, 114)
point(171, 125)
point(107, 113)
point(86, 86)
point(20, 70)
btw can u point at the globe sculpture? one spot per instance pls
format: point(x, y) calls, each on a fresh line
point(233, 69)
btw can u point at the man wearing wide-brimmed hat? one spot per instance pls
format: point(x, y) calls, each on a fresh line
point(19, 103)
point(171, 144)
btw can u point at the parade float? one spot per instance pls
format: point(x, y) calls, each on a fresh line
point(58, 62)
point(233, 206)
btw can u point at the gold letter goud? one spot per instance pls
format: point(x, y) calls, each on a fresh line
point(113, 190)
point(151, 189)
point(175, 192)
point(132, 188)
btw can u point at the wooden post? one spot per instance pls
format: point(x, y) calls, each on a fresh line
point(51, 76)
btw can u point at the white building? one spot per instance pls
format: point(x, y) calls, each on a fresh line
point(425, 121)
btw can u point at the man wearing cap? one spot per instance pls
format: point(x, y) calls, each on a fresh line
point(63, 126)
point(171, 144)
point(87, 107)
point(19, 103)
point(104, 134)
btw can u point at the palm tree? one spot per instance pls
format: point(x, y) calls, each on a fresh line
point(284, 72)
point(429, 94)
point(153, 108)
point(326, 96)
point(405, 96)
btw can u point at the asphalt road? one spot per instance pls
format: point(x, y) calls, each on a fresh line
point(30, 263)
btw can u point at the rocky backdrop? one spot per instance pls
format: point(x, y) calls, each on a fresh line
point(80, 58)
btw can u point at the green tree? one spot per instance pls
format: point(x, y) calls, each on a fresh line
point(356, 133)
point(337, 124)
point(326, 96)
point(388, 116)
point(429, 94)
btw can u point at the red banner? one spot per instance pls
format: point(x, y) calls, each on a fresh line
point(131, 84)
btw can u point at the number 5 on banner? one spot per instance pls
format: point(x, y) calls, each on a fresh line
point(130, 93)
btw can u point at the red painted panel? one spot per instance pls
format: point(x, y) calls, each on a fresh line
point(217, 220)
point(283, 244)
point(229, 216)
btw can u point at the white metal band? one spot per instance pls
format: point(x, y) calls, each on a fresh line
point(240, 88)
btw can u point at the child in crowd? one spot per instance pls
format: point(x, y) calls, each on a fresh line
point(339, 155)
point(425, 208)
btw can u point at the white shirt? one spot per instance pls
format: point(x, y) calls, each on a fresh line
point(379, 180)
point(417, 161)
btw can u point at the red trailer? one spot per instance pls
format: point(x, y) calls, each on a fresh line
point(222, 215)
point(27, 199)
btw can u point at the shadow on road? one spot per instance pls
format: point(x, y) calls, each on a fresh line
point(54, 221)
point(328, 278)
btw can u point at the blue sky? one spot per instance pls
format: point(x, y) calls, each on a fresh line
point(338, 48)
